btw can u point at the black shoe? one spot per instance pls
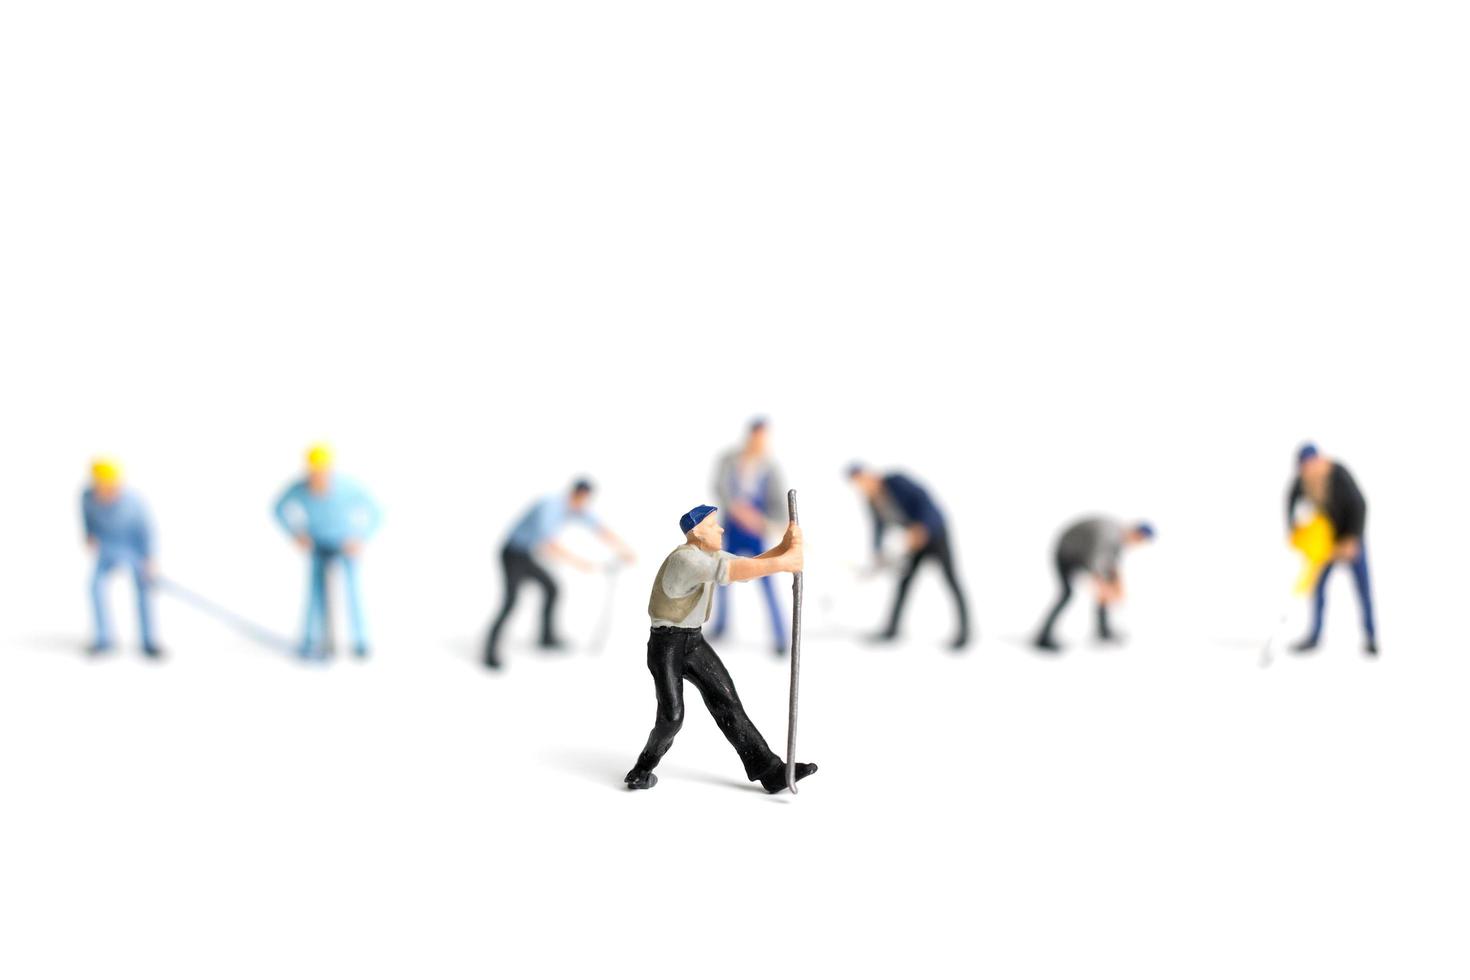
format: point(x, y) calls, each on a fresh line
point(360, 651)
point(553, 644)
point(781, 650)
point(959, 643)
point(1303, 646)
point(1371, 648)
point(1112, 639)
point(1047, 644)
point(887, 636)
point(641, 779)
point(492, 660)
point(154, 652)
point(98, 649)
point(774, 779)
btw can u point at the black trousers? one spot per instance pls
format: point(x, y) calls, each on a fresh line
point(1066, 568)
point(676, 655)
point(936, 548)
point(519, 566)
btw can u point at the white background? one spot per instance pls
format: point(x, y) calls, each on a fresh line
point(1049, 258)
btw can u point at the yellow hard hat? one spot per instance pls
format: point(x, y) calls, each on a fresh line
point(106, 470)
point(319, 457)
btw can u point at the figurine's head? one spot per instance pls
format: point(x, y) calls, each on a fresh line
point(701, 529)
point(1310, 462)
point(319, 467)
point(869, 484)
point(106, 479)
point(1139, 533)
point(581, 494)
point(755, 438)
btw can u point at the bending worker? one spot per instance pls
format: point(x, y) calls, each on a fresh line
point(120, 533)
point(1094, 546)
point(1334, 493)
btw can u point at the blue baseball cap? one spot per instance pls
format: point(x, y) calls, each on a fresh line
point(1144, 529)
point(1308, 451)
point(689, 520)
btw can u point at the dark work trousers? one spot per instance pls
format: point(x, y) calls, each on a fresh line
point(937, 548)
point(1066, 568)
point(519, 566)
point(1359, 566)
point(675, 655)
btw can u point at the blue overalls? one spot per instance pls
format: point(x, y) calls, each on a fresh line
point(739, 541)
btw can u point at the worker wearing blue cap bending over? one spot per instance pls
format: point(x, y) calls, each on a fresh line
point(679, 606)
point(1331, 489)
point(896, 499)
point(1095, 546)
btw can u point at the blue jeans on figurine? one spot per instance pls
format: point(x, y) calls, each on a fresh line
point(317, 624)
point(1359, 566)
point(102, 622)
point(747, 545)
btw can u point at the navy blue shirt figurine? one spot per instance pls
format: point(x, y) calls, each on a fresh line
point(679, 605)
point(895, 499)
point(1331, 489)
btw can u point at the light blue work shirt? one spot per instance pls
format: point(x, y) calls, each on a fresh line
point(120, 526)
point(344, 513)
point(545, 520)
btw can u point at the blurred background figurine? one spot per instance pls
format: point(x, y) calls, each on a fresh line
point(896, 499)
point(331, 517)
point(1334, 494)
point(119, 531)
point(751, 491)
point(679, 605)
point(1095, 546)
point(534, 538)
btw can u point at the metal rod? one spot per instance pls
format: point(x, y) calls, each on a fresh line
point(795, 659)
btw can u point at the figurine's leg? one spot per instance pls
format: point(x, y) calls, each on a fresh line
point(1319, 607)
point(666, 664)
point(548, 604)
point(1365, 597)
point(901, 595)
point(315, 604)
point(962, 611)
point(355, 618)
point(144, 591)
point(1045, 640)
point(101, 623)
point(1104, 632)
point(709, 676)
point(513, 567)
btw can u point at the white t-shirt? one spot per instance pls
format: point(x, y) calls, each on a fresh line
point(689, 569)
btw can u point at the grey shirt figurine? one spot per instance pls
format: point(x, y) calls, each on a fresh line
point(1093, 545)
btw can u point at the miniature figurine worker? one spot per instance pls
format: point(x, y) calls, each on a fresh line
point(1095, 546)
point(330, 517)
point(1334, 493)
point(680, 604)
point(896, 499)
point(748, 485)
point(119, 531)
point(531, 542)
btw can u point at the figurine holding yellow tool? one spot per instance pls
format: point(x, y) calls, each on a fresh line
point(1335, 496)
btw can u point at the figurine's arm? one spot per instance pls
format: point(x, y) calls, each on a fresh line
point(616, 544)
point(785, 557)
point(89, 522)
point(553, 548)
